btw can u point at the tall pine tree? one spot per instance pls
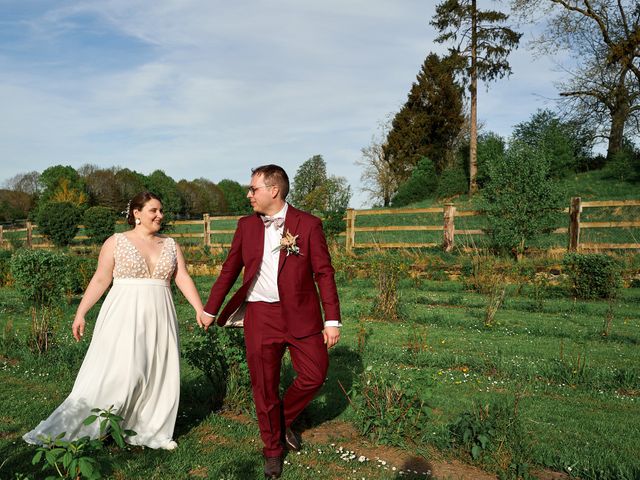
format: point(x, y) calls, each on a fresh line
point(429, 122)
point(482, 45)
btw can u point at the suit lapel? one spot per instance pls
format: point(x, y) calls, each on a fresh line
point(291, 224)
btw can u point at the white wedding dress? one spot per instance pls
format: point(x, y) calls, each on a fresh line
point(133, 360)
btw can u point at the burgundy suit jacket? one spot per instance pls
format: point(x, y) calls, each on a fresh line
point(298, 275)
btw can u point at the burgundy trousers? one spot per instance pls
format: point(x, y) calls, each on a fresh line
point(266, 338)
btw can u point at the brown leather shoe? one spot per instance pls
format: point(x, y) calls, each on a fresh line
point(293, 441)
point(273, 467)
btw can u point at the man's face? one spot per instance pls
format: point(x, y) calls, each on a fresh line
point(261, 195)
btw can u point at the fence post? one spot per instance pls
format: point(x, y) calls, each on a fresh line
point(207, 230)
point(574, 224)
point(350, 233)
point(29, 235)
point(449, 226)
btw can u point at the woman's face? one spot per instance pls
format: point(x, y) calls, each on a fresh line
point(151, 215)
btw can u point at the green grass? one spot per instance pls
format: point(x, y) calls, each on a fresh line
point(579, 392)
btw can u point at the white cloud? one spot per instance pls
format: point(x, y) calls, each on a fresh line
point(210, 88)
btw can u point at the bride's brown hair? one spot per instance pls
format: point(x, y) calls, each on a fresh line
point(138, 201)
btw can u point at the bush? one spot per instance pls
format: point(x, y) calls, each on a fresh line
point(219, 353)
point(100, 223)
point(59, 222)
point(421, 184)
point(521, 200)
point(80, 269)
point(41, 276)
point(593, 275)
point(494, 434)
point(5, 267)
point(389, 410)
point(453, 181)
point(625, 164)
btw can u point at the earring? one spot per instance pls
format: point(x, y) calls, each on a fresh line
point(137, 221)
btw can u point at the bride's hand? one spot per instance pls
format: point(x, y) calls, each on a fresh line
point(78, 328)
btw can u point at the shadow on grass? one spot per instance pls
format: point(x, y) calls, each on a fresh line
point(345, 365)
point(197, 401)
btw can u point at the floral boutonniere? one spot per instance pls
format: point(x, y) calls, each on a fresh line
point(288, 244)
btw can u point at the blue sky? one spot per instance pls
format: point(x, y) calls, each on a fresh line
point(204, 88)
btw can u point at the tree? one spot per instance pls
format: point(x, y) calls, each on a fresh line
point(521, 199)
point(428, 123)
point(481, 45)
point(377, 178)
point(603, 39)
point(14, 205)
point(491, 148)
point(129, 184)
point(28, 183)
point(102, 187)
point(422, 183)
point(306, 190)
point(62, 184)
point(235, 197)
point(314, 192)
point(560, 141)
point(166, 188)
point(201, 196)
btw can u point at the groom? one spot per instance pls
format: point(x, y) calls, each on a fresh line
point(284, 254)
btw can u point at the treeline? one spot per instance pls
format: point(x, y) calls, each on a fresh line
point(26, 193)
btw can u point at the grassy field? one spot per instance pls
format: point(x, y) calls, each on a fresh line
point(574, 394)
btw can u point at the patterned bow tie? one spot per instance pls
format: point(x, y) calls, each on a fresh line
point(278, 221)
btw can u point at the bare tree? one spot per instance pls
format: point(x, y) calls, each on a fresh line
point(378, 178)
point(28, 183)
point(603, 39)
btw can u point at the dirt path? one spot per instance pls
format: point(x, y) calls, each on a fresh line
point(344, 438)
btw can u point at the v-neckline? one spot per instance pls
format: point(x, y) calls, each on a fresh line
point(144, 260)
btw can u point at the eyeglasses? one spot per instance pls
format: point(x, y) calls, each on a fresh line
point(252, 190)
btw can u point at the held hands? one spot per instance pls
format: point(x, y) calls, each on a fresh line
point(204, 320)
point(78, 328)
point(331, 336)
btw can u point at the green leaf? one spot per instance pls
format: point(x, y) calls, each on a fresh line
point(475, 452)
point(90, 419)
point(37, 457)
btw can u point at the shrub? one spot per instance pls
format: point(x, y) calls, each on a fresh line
point(5, 267)
point(40, 276)
point(521, 200)
point(388, 410)
point(100, 223)
point(494, 434)
point(219, 354)
point(453, 181)
point(593, 275)
point(625, 164)
point(80, 269)
point(59, 222)
point(421, 184)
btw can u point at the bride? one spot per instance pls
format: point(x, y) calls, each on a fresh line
point(132, 362)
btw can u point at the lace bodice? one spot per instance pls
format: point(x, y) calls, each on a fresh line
point(129, 262)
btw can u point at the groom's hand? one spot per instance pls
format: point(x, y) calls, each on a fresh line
point(206, 320)
point(331, 336)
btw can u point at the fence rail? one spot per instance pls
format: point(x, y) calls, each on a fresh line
point(448, 228)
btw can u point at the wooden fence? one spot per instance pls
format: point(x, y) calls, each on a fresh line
point(449, 230)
